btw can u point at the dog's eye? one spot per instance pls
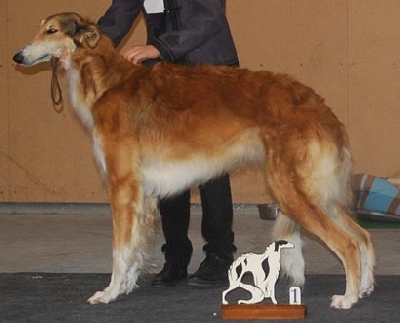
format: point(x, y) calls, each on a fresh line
point(51, 31)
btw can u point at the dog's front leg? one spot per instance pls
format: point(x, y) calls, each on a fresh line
point(127, 207)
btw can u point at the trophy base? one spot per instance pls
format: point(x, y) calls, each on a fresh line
point(264, 311)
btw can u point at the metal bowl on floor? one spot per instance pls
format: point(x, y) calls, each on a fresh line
point(268, 211)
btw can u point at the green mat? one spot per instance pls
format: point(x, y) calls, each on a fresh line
point(375, 220)
point(371, 224)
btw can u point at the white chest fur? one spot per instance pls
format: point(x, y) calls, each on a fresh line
point(77, 100)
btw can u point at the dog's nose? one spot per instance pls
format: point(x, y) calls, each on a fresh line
point(18, 58)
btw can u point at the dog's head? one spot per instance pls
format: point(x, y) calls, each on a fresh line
point(283, 244)
point(58, 35)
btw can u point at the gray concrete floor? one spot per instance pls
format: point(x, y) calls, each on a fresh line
point(63, 238)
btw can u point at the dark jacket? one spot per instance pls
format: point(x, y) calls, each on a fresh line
point(189, 31)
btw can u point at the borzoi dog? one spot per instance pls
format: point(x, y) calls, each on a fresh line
point(159, 130)
point(264, 282)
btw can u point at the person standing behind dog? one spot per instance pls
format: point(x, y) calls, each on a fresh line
point(187, 32)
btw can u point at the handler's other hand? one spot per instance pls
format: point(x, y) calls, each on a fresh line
point(139, 53)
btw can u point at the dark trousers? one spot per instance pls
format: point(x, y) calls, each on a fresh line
point(216, 225)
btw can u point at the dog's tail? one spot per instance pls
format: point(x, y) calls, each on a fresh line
point(292, 261)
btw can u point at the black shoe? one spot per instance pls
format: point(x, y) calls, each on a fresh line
point(171, 275)
point(213, 271)
point(175, 266)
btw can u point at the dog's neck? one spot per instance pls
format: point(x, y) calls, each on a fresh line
point(91, 72)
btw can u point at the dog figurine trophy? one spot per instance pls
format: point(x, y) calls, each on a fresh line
point(263, 287)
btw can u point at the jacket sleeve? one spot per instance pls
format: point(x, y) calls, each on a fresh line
point(206, 18)
point(119, 18)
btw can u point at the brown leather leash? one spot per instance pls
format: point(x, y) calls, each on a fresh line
point(55, 88)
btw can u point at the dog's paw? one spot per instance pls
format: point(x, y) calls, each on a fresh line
point(101, 297)
point(366, 291)
point(343, 302)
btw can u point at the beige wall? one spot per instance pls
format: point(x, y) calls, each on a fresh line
point(348, 50)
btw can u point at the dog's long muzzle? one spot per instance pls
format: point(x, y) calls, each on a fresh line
point(26, 58)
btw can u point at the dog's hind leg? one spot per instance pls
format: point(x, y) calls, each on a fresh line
point(235, 275)
point(292, 260)
point(346, 247)
point(367, 252)
point(257, 294)
point(302, 198)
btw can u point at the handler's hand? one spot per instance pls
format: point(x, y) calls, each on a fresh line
point(139, 53)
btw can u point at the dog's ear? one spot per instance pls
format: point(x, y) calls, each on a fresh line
point(87, 35)
point(83, 32)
